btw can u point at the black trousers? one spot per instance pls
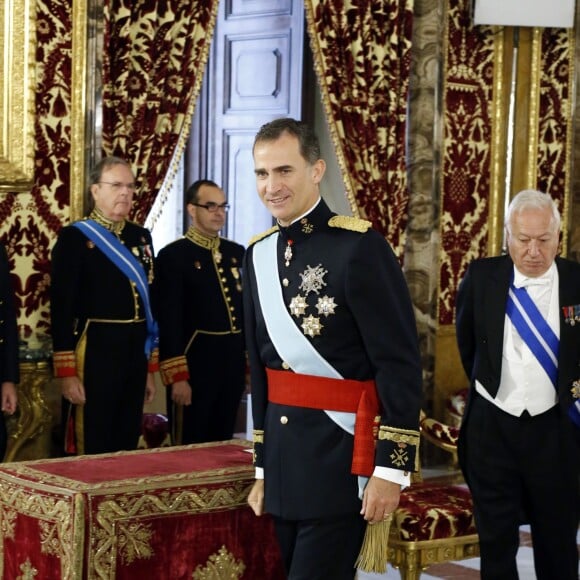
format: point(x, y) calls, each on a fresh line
point(115, 375)
point(217, 365)
point(322, 549)
point(517, 468)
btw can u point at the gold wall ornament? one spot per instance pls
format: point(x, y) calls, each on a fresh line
point(79, 97)
point(28, 571)
point(29, 429)
point(220, 566)
point(17, 94)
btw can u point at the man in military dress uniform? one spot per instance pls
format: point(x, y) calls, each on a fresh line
point(104, 334)
point(201, 346)
point(332, 343)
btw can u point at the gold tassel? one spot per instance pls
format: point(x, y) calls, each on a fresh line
point(375, 548)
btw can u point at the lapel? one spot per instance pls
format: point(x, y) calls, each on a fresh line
point(568, 294)
point(494, 308)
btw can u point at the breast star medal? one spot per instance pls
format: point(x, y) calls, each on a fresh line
point(325, 305)
point(576, 389)
point(313, 279)
point(298, 305)
point(311, 326)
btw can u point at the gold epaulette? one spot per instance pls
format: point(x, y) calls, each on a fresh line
point(349, 223)
point(263, 235)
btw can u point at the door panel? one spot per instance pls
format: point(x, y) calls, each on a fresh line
point(254, 75)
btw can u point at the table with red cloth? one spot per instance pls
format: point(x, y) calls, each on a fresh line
point(168, 513)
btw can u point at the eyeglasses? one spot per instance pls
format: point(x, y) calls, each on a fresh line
point(118, 185)
point(212, 207)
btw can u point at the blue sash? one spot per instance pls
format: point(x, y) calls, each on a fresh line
point(110, 245)
point(534, 330)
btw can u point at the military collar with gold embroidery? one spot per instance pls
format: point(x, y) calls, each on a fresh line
point(112, 226)
point(203, 240)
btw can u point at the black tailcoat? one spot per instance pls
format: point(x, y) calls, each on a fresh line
point(519, 468)
point(481, 309)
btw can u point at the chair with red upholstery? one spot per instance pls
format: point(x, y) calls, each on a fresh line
point(434, 521)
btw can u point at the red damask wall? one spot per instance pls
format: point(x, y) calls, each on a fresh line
point(30, 221)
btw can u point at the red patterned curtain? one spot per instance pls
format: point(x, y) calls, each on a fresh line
point(362, 56)
point(155, 53)
point(466, 149)
point(555, 120)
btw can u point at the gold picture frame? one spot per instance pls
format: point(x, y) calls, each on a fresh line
point(17, 94)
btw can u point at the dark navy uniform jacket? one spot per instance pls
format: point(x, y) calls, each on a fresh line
point(371, 335)
point(87, 285)
point(199, 294)
point(196, 294)
point(91, 297)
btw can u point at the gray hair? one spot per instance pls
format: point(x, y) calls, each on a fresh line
point(532, 199)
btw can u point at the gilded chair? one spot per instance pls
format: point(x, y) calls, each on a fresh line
point(434, 521)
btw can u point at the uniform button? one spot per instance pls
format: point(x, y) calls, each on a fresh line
point(285, 282)
point(285, 365)
point(283, 419)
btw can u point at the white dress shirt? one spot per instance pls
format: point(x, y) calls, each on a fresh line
point(524, 384)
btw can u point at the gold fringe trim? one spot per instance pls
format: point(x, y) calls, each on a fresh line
point(263, 235)
point(375, 548)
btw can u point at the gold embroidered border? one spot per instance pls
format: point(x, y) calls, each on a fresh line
point(171, 367)
point(124, 510)
point(258, 435)
point(399, 435)
point(60, 518)
point(41, 480)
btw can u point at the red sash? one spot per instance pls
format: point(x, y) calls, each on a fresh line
point(346, 395)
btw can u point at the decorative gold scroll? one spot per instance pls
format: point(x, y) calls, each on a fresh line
point(78, 108)
point(17, 82)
